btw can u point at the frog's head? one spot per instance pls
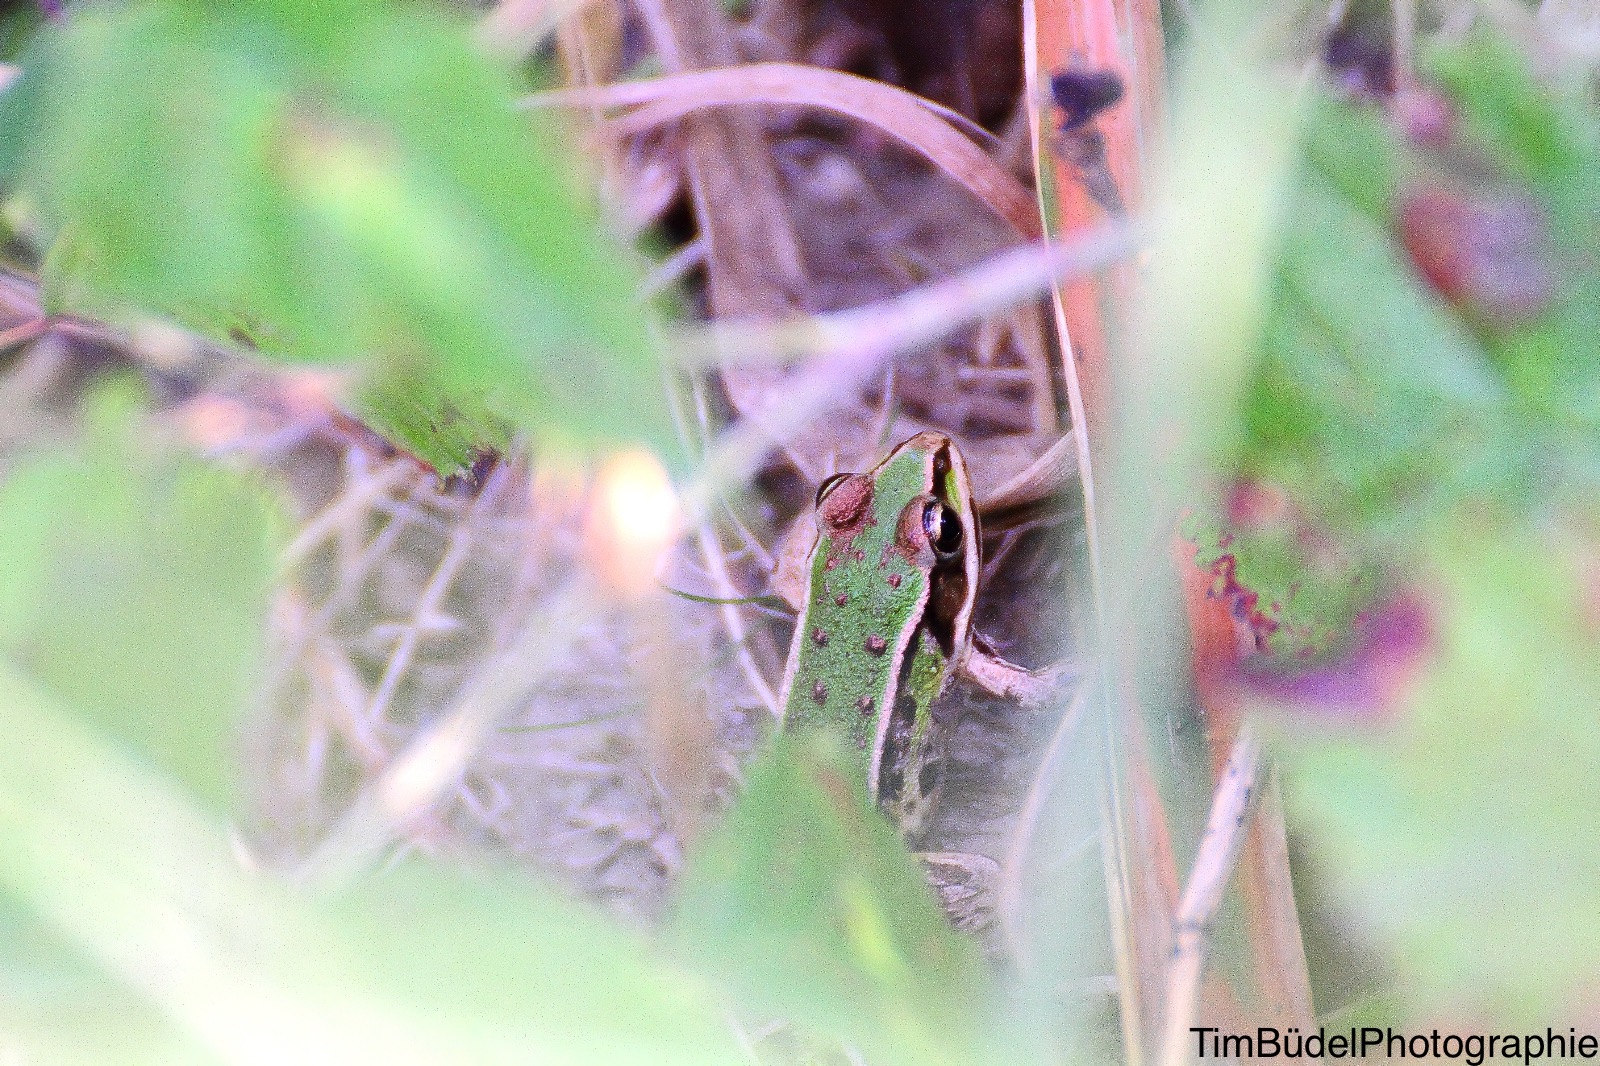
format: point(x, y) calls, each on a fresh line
point(901, 541)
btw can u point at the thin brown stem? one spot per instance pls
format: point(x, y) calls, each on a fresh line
point(1225, 833)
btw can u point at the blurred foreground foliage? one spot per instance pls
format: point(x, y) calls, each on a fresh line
point(1429, 343)
point(132, 609)
point(803, 879)
point(1420, 437)
point(346, 182)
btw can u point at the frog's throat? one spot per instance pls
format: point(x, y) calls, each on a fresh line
point(905, 743)
point(888, 711)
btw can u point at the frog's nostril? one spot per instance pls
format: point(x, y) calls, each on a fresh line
point(943, 527)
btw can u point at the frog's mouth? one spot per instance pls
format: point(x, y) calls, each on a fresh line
point(947, 600)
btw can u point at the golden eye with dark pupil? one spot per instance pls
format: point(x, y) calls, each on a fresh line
point(828, 485)
point(943, 528)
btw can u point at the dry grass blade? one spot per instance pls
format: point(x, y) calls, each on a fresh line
point(1047, 476)
point(1274, 921)
point(925, 314)
point(738, 635)
point(753, 261)
point(919, 124)
point(1123, 36)
point(1033, 95)
point(1213, 866)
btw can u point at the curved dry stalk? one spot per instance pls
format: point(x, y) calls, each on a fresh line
point(1048, 475)
point(919, 124)
point(732, 620)
point(1213, 865)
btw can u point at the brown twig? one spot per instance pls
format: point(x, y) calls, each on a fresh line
point(432, 598)
point(1226, 828)
point(1282, 976)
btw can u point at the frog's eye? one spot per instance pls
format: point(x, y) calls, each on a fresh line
point(828, 485)
point(943, 528)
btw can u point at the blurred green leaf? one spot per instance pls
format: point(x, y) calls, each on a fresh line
point(1544, 144)
point(1533, 132)
point(494, 950)
point(806, 902)
point(57, 1007)
point(1425, 399)
point(1370, 407)
point(133, 584)
point(352, 178)
point(1379, 404)
point(414, 967)
point(1368, 391)
point(132, 591)
point(1459, 831)
point(1355, 150)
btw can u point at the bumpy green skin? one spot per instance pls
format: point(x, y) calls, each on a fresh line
point(853, 662)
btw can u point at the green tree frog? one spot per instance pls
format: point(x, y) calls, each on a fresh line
point(886, 619)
